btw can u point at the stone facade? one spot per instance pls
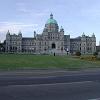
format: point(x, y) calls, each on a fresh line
point(88, 44)
point(51, 40)
point(98, 48)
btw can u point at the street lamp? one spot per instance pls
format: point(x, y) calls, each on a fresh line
point(67, 51)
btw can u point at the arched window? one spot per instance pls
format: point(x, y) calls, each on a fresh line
point(53, 46)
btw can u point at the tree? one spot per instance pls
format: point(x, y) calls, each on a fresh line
point(78, 53)
point(95, 54)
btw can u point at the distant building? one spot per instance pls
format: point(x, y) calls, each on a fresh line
point(98, 48)
point(83, 44)
point(51, 40)
point(2, 47)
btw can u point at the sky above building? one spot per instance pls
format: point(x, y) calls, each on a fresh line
point(76, 16)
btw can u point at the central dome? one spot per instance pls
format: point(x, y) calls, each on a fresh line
point(51, 20)
point(51, 25)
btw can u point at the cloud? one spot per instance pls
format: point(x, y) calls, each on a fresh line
point(2, 37)
point(91, 12)
point(32, 12)
point(28, 9)
point(20, 4)
point(15, 27)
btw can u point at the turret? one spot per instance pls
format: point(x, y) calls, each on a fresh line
point(8, 32)
point(83, 35)
point(61, 33)
point(93, 43)
point(8, 41)
point(8, 35)
point(61, 29)
point(99, 43)
point(93, 35)
point(51, 16)
point(20, 34)
point(34, 34)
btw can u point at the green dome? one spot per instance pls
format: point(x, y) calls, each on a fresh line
point(51, 21)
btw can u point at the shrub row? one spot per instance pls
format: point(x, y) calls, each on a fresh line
point(89, 58)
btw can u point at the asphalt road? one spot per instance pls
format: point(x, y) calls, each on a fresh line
point(6, 80)
point(78, 86)
point(58, 91)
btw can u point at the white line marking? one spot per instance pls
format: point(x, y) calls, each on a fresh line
point(94, 99)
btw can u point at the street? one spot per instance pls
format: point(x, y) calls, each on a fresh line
point(59, 91)
point(79, 86)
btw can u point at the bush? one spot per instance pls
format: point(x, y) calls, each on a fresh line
point(89, 58)
point(95, 54)
point(78, 53)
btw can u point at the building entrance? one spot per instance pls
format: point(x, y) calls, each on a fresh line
point(53, 46)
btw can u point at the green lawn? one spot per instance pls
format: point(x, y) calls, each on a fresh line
point(13, 61)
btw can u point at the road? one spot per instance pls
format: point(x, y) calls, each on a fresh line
point(59, 91)
point(77, 86)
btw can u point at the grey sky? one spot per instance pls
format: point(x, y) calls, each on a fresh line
point(76, 16)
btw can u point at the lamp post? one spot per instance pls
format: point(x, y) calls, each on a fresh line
point(67, 51)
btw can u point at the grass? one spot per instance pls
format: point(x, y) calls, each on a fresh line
point(13, 61)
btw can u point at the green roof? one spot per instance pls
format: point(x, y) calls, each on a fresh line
point(51, 21)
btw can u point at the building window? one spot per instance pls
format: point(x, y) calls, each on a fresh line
point(62, 43)
point(45, 49)
point(45, 43)
point(53, 46)
point(39, 43)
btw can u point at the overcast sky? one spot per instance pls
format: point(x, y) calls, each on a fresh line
point(76, 16)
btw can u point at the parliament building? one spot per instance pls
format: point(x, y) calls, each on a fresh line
point(52, 40)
